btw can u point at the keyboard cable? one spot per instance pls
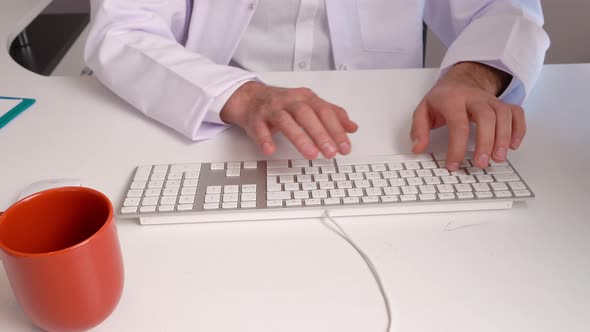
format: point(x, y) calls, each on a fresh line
point(340, 231)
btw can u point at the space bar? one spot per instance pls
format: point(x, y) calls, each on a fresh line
point(345, 161)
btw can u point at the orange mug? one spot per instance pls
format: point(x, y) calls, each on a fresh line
point(61, 254)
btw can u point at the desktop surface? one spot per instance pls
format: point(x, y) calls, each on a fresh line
point(523, 269)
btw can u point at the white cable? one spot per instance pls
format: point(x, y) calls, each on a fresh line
point(367, 260)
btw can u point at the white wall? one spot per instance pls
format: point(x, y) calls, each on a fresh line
point(566, 21)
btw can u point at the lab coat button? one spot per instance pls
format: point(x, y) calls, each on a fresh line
point(252, 5)
point(342, 67)
point(302, 65)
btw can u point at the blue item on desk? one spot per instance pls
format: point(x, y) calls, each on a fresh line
point(16, 110)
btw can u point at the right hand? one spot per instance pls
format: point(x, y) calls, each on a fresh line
point(312, 124)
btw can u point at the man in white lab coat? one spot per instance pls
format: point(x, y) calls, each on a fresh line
point(190, 64)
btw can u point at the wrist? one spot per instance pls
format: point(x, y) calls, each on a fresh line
point(234, 110)
point(489, 79)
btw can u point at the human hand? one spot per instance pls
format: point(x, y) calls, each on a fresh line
point(312, 124)
point(468, 93)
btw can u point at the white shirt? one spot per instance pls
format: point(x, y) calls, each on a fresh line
point(286, 36)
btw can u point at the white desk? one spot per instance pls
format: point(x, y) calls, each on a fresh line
point(524, 269)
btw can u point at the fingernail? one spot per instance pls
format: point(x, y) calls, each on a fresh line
point(501, 153)
point(453, 166)
point(266, 147)
point(344, 148)
point(483, 160)
point(516, 143)
point(309, 150)
point(328, 149)
point(414, 143)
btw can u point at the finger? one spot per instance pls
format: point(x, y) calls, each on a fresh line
point(335, 128)
point(261, 134)
point(348, 125)
point(458, 124)
point(503, 131)
point(518, 126)
point(484, 117)
point(421, 125)
point(307, 118)
point(294, 133)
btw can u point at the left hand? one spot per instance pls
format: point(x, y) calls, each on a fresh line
point(467, 92)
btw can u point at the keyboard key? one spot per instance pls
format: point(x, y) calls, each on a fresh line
point(129, 209)
point(274, 187)
point(185, 207)
point(415, 181)
point(134, 193)
point(344, 184)
point(170, 192)
point(131, 201)
point(149, 201)
point(481, 187)
point(286, 179)
point(331, 201)
point(356, 176)
point(503, 194)
point(248, 204)
point(445, 188)
point(322, 162)
point(319, 194)
point(192, 175)
point(153, 192)
point(321, 178)
point(467, 179)
point(362, 168)
point(138, 184)
point(231, 189)
point(484, 178)
point(517, 185)
point(146, 209)
point(232, 172)
point(300, 163)
point(250, 165)
point(427, 189)
point(272, 196)
point(187, 199)
point(248, 188)
point(463, 188)
point(313, 202)
point(234, 164)
point(449, 179)
point(185, 167)
point(248, 197)
point(212, 198)
point(409, 190)
point(391, 191)
point(309, 186)
point(337, 193)
point(522, 193)
point(446, 196)
point(188, 191)
point(412, 165)
point(362, 184)
point(345, 169)
point(397, 182)
point(304, 178)
point(291, 186)
point(355, 192)
point(380, 183)
point(217, 166)
point(373, 191)
point(350, 200)
point(214, 190)
point(474, 170)
point(390, 175)
point(407, 173)
point(190, 183)
point(328, 170)
point(174, 176)
point(432, 180)
point(465, 195)
point(440, 172)
point(172, 184)
point(506, 177)
point(395, 166)
point(274, 203)
point(424, 173)
point(372, 175)
point(229, 205)
point(499, 186)
point(284, 171)
point(300, 194)
point(389, 199)
point(484, 194)
point(210, 206)
point(293, 202)
point(168, 200)
point(370, 199)
point(338, 177)
point(428, 164)
point(160, 169)
point(327, 185)
point(499, 170)
point(166, 208)
point(312, 170)
point(378, 168)
point(142, 173)
point(155, 184)
point(408, 198)
point(427, 197)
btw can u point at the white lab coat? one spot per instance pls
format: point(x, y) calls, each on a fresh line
point(169, 59)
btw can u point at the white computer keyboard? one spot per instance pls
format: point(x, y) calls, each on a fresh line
point(347, 186)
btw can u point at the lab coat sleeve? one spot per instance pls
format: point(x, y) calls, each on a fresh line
point(505, 34)
point(135, 48)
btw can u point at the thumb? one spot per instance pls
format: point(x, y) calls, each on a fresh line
point(420, 133)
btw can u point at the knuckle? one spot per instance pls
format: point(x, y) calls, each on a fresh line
point(280, 118)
